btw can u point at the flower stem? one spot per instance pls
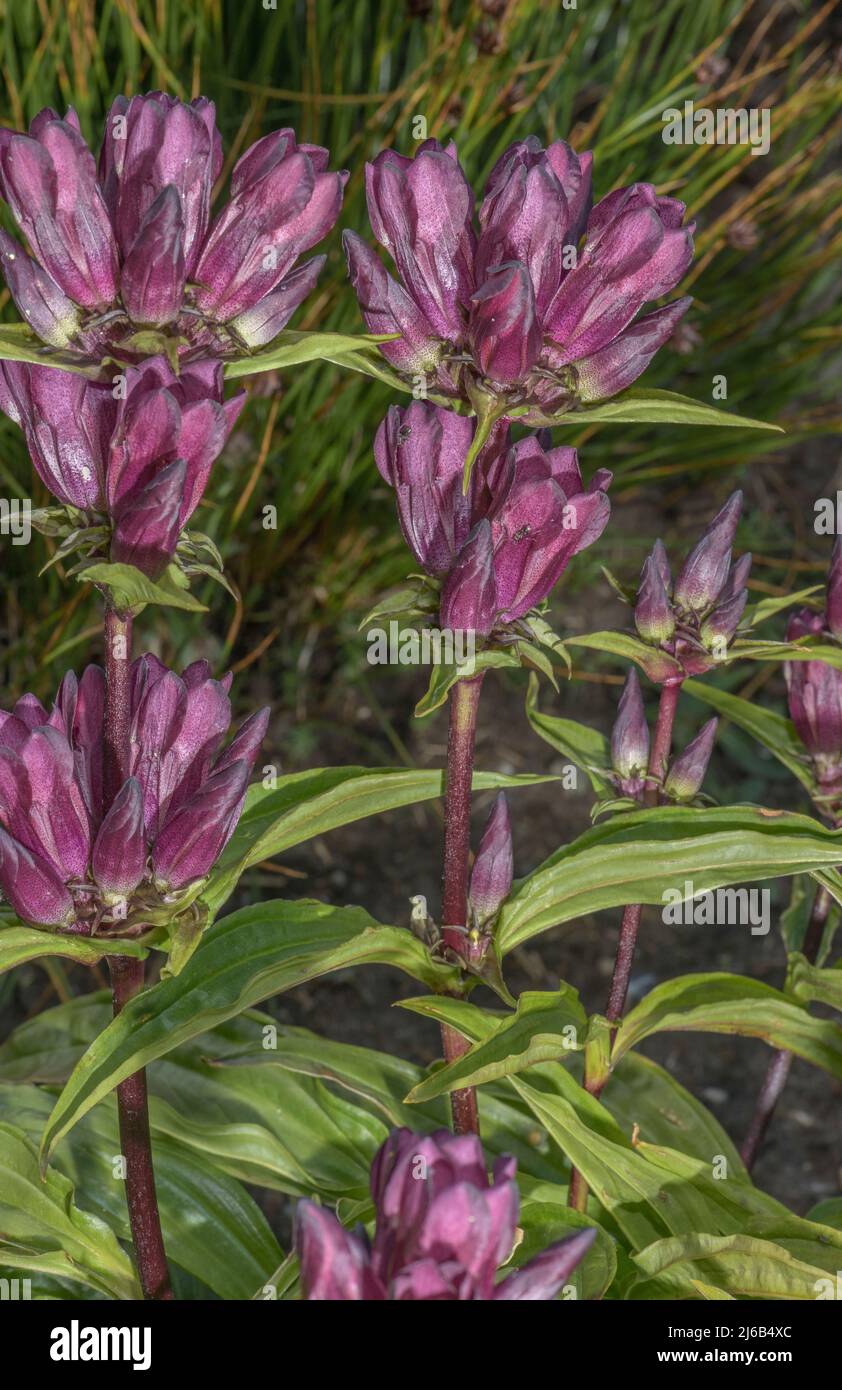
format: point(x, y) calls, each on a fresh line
point(127, 979)
point(778, 1069)
point(658, 761)
point(464, 701)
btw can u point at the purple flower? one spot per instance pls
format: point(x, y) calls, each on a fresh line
point(515, 303)
point(500, 550)
point(140, 462)
point(491, 876)
point(442, 1231)
point(68, 860)
point(630, 740)
point(687, 773)
point(814, 691)
point(129, 244)
point(695, 618)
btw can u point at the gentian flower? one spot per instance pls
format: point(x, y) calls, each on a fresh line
point(137, 464)
point(516, 306)
point(630, 741)
point(69, 861)
point(695, 618)
point(125, 257)
point(442, 1231)
point(501, 549)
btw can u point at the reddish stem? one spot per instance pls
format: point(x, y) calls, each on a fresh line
point(464, 701)
point(127, 979)
point(659, 754)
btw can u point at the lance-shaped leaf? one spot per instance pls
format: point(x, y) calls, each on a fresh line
point(773, 730)
point(645, 405)
point(306, 804)
point(586, 748)
point(212, 1228)
point(640, 856)
point(658, 665)
point(19, 944)
point(815, 985)
point(544, 1028)
point(722, 1003)
point(254, 953)
point(357, 351)
point(739, 1266)
point(40, 1220)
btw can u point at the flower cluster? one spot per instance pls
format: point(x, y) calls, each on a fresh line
point(630, 753)
point(512, 309)
point(695, 618)
point(134, 466)
point(67, 860)
point(499, 550)
point(443, 1231)
point(126, 260)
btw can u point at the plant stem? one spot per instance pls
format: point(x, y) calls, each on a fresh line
point(464, 701)
point(659, 753)
point(127, 979)
point(778, 1069)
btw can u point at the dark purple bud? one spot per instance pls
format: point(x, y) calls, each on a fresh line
point(387, 308)
point(420, 450)
point(469, 593)
point(245, 745)
point(46, 308)
point(814, 690)
point(152, 280)
point(32, 887)
point(119, 854)
point(630, 738)
point(833, 605)
point(146, 527)
point(622, 361)
point(259, 325)
point(653, 615)
point(193, 839)
point(504, 328)
point(720, 626)
point(66, 420)
point(491, 879)
point(545, 1275)
point(685, 777)
point(705, 570)
point(335, 1265)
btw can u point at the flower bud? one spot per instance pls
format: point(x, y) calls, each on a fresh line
point(833, 605)
point(653, 615)
point(705, 570)
point(31, 886)
point(193, 839)
point(469, 594)
point(630, 738)
point(119, 854)
point(687, 773)
point(146, 528)
point(504, 328)
point(491, 879)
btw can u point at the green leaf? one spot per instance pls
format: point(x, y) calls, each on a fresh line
point(814, 985)
point(19, 944)
point(741, 1266)
point(311, 803)
point(657, 664)
point(638, 857)
point(770, 729)
point(544, 1219)
point(247, 957)
point(585, 747)
point(545, 1027)
point(292, 347)
point(641, 1094)
point(131, 588)
point(722, 1003)
point(212, 1228)
point(770, 606)
point(39, 1219)
point(19, 344)
point(827, 1213)
point(643, 405)
point(445, 675)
